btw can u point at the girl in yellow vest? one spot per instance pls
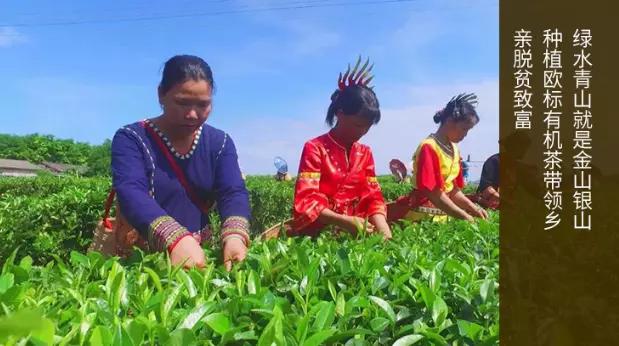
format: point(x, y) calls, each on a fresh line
point(437, 169)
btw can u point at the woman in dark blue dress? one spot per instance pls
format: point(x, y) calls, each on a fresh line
point(168, 171)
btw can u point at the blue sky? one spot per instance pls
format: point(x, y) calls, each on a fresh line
point(274, 68)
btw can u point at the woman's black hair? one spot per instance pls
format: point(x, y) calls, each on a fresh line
point(354, 100)
point(181, 68)
point(459, 108)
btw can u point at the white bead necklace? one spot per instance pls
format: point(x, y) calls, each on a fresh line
point(168, 143)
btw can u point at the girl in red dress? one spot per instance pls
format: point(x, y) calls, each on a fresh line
point(336, 184)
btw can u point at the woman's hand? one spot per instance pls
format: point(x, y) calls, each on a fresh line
point(490, 193)
point(234, 250)
point(455, 204)
point(479, 212)
point(189, 253)
point(380, 222)
point(386, 232)
point(353, 223)
point(349, 223)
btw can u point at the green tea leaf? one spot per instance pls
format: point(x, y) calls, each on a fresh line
point(435, 281)
point(44, 335)
point(182, 337)
point(379, 324)
point(332, 290)
point(385, 306)
point(26, 263)
point(439, 311)
point(6, 282)
point(9, 261)
point(427, 295)
point(154, 277)
point(136, 330)
point(408, 340)
point(485, 290)
point(188, 283)
point(302, 327)
point(250, 335)
point(86, 324)
point(219, 322)
point(119, 292)
point(340, 336)
point(343, 261)
point(325, 316)
point(101, 336)
point(434, 337)
point(170, 301)
point(121, 337)
point(273, 333)
point(21, 324)
point(80, 259)
point(302, 258)
point(340, 306)
point(319, 338)
point(195, 315)
point(453, 265)
point(253, 282)
point(469, 329)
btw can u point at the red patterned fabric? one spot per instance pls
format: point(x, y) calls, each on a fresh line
point(329, 177)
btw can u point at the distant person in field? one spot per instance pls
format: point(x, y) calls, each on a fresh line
point(465, 171)
point(437, 173)
point(282, 169)
point(336, 184)
point(279, 176)
point(170, 169)
point(488, 189)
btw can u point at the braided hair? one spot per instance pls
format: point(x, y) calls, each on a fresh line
point(458, 108)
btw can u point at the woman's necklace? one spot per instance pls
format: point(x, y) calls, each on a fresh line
point(168, 143)
point(446, 148)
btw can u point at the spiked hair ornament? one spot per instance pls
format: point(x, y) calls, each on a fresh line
point(354, 95)
point(454, 108)
point(358, 76)
point(457, 101)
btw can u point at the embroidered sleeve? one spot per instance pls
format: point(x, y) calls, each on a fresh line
point(235, 227)
point(165, 233)
point(308, 200)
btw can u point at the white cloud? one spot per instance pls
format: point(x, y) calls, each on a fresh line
point(10, 36)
